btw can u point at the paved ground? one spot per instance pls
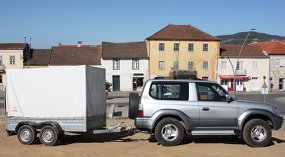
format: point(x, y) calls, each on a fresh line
point(139, 145)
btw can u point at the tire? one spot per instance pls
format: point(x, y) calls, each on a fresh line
point(48, 135)
point(169, 126)
point(27, 134)
point(133, 105)
point(257, 133)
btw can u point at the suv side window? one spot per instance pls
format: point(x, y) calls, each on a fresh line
point(169, 90)
point(210, 92)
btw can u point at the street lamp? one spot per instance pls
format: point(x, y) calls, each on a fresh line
point(239, 57)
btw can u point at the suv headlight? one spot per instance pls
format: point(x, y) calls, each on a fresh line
point(275, 110)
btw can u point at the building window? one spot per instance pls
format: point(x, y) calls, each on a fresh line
point(175, 65)
point(161, 46)
point(205, 47)
point(224, 82)
point(240, 65)
point(135, 64)
point(224, 65)
point(1, 60)
point(205, 65)
point(190, 65)
point(281, 83)
point(161, 65)
point(116, 64)
point(176, 47)
point(282, 63)
point(254, 65)
point(190, 47)
point(12, 60)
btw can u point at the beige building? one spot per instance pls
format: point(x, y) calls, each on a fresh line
point(178, 49)
point(252, 68)
point(12, 56)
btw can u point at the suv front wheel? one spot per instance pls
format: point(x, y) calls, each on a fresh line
point(257, 133)
point(169, 132)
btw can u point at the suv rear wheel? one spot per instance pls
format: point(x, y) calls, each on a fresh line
point(169, 132)
point(133, 105)
point(257, 133)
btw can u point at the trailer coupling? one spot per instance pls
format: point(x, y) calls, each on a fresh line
point(115, 129)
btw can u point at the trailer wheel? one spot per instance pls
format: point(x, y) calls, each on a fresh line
point(133, 105)
point(48, 135)
point(26, 134)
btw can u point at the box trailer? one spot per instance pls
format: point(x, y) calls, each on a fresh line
point(55, 100)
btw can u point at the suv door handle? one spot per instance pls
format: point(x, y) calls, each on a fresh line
point(205, 109)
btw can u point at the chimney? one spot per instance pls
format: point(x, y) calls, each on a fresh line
point(59, 44)
point(79, 43)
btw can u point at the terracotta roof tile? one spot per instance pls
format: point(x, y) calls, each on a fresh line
point(39, 57)
point(129, 50)
point(182, 32)
point(13, 46)
point(248, 51)
point(272, 47)
point(74, 55)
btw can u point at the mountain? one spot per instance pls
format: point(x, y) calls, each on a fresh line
point(238, 38)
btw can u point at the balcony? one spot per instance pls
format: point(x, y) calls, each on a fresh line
point(241, 72)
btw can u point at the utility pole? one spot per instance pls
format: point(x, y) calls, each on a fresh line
point(239, 57)
point(29, 54)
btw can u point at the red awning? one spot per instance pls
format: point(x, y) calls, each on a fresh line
point(238, 77)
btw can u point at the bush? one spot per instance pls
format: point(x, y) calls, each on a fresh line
point(108, 86)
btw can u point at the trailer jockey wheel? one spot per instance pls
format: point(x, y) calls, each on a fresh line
point(26, 134)
point(48, 135)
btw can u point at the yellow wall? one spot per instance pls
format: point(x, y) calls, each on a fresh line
point(183, 56)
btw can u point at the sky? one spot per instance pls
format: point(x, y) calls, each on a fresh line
point(49, 22)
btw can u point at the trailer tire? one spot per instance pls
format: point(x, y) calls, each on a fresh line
point(133, 105)
point(48, 135)
point(27, 134)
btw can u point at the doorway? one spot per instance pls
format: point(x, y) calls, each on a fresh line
point(254, 84)
point(239, 85)
point(137, 83)
point(116, 82)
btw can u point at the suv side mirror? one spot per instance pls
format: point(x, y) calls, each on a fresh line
point(228, 98)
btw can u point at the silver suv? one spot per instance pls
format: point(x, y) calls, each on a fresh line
point(170, 108)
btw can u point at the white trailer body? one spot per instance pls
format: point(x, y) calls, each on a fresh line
point(72, 96)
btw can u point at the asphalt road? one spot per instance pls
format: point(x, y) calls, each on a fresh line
point(277, 99)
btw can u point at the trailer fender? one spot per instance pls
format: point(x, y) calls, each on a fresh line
point(54, 124)
point(25, 123)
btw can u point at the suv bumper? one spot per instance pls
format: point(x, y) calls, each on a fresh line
point(278, 121)
point(144, 124)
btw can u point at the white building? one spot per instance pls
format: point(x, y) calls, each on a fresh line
point(276, 53)
point(126, 65)
point(252, 68)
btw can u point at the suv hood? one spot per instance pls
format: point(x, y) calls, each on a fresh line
point(254, 104)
